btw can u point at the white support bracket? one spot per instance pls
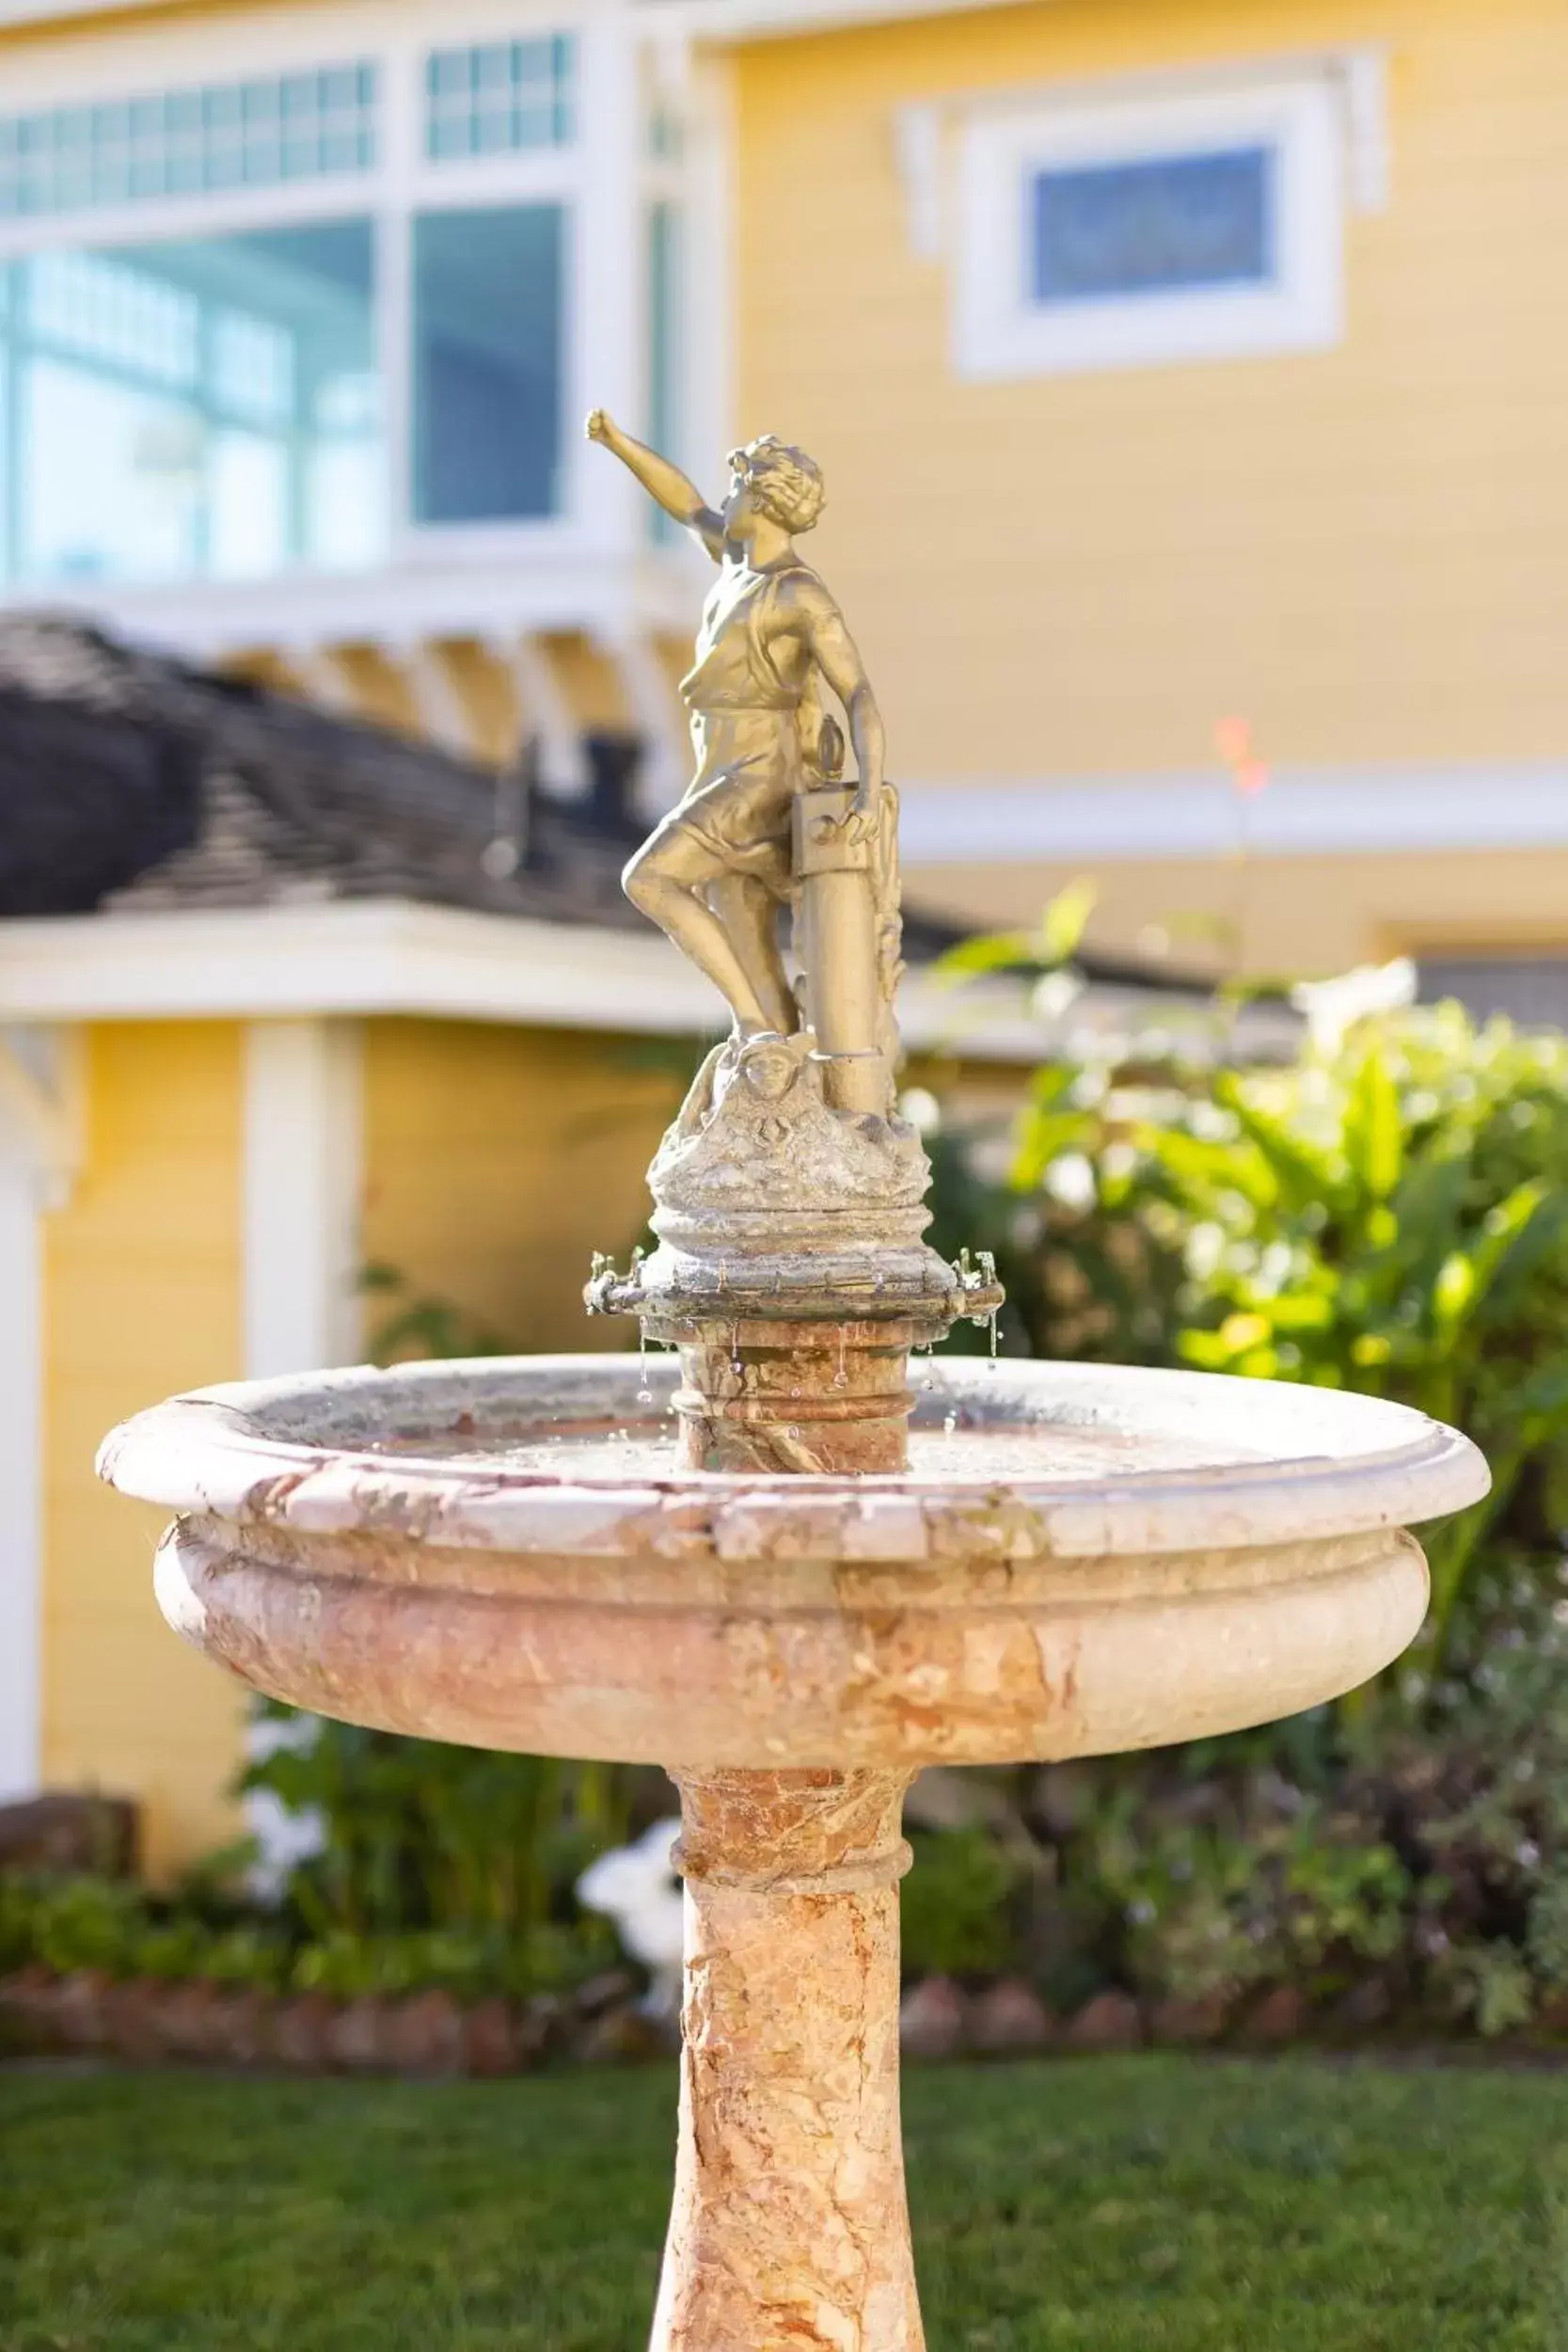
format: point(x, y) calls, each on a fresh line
point(443, 716)
point(323, 679)
point(917, 137)
point(563, 763)
point(653, 710)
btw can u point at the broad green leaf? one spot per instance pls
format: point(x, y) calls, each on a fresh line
point(1374, 1141)
point(1303, 1172)
point(1519, 1235)
point(1299, 1310)
point(1063, 922)
point(1203, 1170)
point(992, 951)
point(1453, 1290)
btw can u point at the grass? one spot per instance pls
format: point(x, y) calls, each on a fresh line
point(1110, 2205)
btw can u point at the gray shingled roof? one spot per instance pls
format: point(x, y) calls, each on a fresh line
point(128, 779)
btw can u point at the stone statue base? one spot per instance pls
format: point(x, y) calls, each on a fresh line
point(790, 1274)
point(767, 1203)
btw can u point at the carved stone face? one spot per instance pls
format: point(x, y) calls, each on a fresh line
point(740, 510)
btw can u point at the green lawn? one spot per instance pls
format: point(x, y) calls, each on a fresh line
point(1110, 2205)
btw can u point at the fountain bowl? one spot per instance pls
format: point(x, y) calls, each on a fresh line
point(1079, 1560)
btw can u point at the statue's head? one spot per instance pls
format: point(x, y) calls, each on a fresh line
point(770, 480)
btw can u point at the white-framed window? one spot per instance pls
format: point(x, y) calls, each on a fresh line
point(1128, 233)
point(187, 141)
point(333, 316)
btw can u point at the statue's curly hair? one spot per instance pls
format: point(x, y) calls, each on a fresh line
point(786, 483)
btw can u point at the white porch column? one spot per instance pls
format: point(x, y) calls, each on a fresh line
point(304, 1107)
point(39, 1147)
point(301, 1207)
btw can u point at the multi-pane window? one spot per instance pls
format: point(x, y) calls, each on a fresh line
point(208, 400)
point(189, 142)
point(1160, 225)
point(205, 408)
point(498, 98)
point(1193, 226)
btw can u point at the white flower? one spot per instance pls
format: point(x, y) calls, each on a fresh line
point(636, 1888)
point(1334, 1006)
point(1070, 1179)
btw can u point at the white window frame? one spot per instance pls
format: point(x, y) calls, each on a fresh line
point(599, 178)
point(999, 333)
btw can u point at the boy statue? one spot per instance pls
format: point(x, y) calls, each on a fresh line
point(714, 872)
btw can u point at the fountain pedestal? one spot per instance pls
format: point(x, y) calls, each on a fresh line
point(789, 2227)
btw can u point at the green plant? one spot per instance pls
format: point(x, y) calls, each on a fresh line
point(1267, 1887)
point(1388, 1213)
point(422, 1838)
point(119, 1929)
point(958, 1904)
point(412, 1328)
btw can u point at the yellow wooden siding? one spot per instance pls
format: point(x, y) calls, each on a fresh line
point(1290, 917)
point(498, 1160)
point(1359, 549)
point(142, 1299)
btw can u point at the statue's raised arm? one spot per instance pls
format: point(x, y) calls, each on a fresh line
point(664, 482)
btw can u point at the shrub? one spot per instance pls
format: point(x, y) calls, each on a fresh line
point(1387, 1213)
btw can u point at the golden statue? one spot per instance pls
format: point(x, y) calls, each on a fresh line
point(765, 822)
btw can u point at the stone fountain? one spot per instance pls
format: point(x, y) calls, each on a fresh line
point(769, 1564)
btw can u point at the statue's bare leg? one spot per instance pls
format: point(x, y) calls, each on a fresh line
point(664, 882)
point(749, 913)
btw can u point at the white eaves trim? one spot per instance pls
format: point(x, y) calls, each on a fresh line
point(388, 957)
point(1342, 812)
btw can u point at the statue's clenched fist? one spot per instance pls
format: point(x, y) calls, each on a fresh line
point(600, 425)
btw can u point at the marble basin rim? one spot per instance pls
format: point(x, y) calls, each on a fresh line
point(1150, 1556)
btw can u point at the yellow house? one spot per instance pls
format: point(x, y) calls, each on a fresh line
point(1174, 366)
point(1181, 375)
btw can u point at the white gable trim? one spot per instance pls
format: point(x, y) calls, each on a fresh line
point(388, 957)
point(1339, 812)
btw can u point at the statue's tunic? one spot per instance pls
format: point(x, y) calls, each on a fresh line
point(746, 727)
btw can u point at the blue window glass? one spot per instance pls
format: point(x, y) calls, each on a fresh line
point(184, 142)
point(205, 408)
point(1172, 225)
point(499, 98)
point(487, 353)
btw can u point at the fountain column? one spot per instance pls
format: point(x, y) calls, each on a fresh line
point(789, 2231)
